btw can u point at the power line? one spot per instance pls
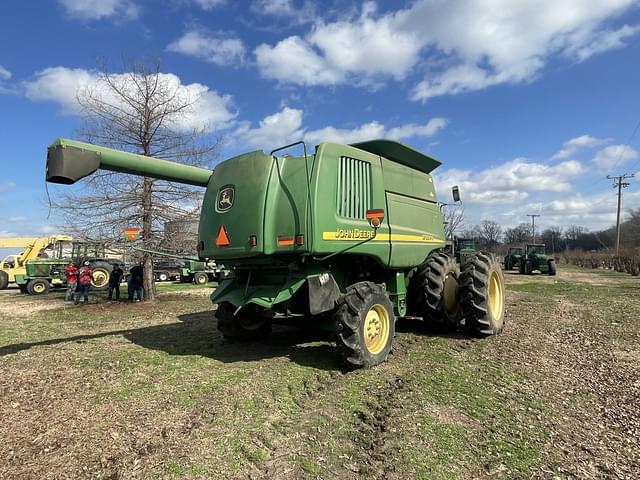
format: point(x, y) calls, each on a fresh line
point(619, 183)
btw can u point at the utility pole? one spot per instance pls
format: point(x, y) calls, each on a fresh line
point(619, 183)
point(533, 225)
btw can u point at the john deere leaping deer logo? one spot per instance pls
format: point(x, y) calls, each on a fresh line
point(226, 196)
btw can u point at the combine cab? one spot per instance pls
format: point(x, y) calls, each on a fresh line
point(512, 258)
point(535, 259)
point(349, 237)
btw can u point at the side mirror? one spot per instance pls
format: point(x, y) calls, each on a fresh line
point(455, 191)
point(375, 217)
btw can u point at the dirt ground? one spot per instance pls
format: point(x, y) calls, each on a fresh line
point(120, 391)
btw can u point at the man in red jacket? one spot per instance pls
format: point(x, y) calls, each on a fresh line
point(72, 280)
point(85, 275)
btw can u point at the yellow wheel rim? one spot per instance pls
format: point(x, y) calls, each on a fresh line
point(38, 287)
point(496, 295)
point(450, 294)
point(376, 329)
point(100, 277)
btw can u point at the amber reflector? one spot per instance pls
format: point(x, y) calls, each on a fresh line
point(285, 241)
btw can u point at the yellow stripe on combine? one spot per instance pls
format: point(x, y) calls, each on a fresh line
point(381, 237)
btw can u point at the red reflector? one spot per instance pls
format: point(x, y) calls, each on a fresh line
point(285, 241)
point(200, 246)
point(222, 240)
point(299, 239)
point(253, 240)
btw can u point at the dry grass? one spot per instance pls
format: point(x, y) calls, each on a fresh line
point(152, 391)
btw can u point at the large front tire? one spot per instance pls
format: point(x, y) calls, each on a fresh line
point(482, 294)
point(101, 273)
point(248, 324)
point(4, 280)
point(200, 278)
point(433, 292)
point(366, 325)
point(38, 286)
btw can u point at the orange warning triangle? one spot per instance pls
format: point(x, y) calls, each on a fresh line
point(222, 240)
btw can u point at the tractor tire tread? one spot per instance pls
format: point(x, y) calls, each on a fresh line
point(426, 290)
point(347, 315)
point(475, 294)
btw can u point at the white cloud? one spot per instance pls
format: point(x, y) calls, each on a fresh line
point(278, 129)
point(338, 52)
point(614, 156)
point(218, 50)
point(4, 73)
point(209, 4)
point(286, 126)
point(572, 146)
point(463, 45)
point(7, 233)
point(101, 9)
point(285, 8)
point(510, 182)
point(293, 60)
point(61, 85)
point(602, 41)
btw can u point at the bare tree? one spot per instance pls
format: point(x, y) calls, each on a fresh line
point(143, 111)
point(489, 233)
point(517, 235)
point(453, 218)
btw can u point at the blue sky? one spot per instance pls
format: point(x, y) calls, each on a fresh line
point(529, 104)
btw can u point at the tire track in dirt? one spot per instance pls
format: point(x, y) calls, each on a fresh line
point(376, 438)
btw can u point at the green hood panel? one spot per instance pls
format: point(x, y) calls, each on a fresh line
point(263, 295)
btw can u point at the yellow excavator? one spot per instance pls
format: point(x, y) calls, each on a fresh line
point(32, 247)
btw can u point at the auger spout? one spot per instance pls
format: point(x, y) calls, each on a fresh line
point(69, 161)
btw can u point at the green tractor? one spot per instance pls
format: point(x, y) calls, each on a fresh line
point(535, 259)
point(42, 274)
point(192, 269)
point(512, 258)
point(349, 237)
point(465, 248)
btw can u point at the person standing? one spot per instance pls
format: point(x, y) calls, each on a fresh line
point(135, 283)
point(114, 282)
point(85, 275)
point(71, 273)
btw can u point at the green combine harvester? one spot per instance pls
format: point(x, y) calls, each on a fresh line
point(350, 237)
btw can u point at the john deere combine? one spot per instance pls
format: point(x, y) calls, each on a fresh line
point(350, 235)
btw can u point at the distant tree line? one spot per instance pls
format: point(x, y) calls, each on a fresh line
point(490, 235)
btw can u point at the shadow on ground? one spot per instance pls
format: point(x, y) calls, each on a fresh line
point(197, 334)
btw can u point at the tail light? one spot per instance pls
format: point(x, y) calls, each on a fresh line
point(253, 240)
point(200, 246)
